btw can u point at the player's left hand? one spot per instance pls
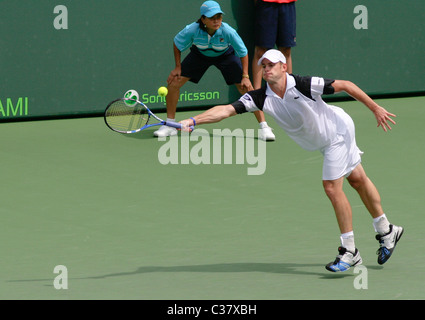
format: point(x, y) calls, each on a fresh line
point(383, 117)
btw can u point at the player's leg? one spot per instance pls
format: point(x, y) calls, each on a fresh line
point(367, 192)
point(340, 157)
point(340, 203)
point(388, 234)
point(348, 255)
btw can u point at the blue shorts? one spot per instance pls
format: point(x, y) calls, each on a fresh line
point(196, 64)
point(275, 24)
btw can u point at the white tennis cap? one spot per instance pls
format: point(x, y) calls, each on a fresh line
point(273, 55)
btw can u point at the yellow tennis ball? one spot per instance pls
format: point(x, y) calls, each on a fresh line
point(163, 91)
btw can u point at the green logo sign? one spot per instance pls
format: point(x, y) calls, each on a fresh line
point(10, 109)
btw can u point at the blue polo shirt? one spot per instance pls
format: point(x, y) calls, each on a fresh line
point(213, 46)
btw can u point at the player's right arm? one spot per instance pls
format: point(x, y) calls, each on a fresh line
point(215, 114)
point(249, 102)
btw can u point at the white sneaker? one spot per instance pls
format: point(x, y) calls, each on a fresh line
point(344, 260)
point(388, 242)
point(266, 134)
point(165, 131)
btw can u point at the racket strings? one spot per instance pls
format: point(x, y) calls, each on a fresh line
point(124, 118)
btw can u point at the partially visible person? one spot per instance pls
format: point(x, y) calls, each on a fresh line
point(275, 26)
point(212, 42)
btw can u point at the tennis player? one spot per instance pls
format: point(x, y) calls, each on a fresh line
point(212, 42)
point(296, 104)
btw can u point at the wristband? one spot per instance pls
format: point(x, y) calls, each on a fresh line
point(194, 122)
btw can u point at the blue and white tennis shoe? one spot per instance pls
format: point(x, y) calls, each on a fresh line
point(388, 242)
point(344, 260)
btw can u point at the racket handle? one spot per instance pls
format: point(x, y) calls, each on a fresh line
point(176, 125)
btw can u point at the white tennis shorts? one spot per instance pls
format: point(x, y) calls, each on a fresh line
point(342, 156)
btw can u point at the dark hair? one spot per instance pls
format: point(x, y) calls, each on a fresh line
point(201, 24)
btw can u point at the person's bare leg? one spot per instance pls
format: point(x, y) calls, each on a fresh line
point(340, 203)
point(348, 255)
point(171, 100)
point(367, 191)
point(173, 95)
point(287, 53)
point(257, 71)
point(257, 77)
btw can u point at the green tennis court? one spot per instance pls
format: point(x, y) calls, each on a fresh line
point(126, 226)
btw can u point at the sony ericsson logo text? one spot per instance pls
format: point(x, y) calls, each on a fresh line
point(14, 107)
point(184, 97)
point(223, 146)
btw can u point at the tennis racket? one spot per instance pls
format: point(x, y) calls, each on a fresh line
point(126, 115)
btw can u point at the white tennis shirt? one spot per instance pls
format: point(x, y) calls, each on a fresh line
point(305, 117)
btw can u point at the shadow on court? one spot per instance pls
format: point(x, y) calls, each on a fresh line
point(241, 267)
point(278, 268)
point(274, 268)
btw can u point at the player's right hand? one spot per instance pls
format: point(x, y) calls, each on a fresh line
point(186, 125)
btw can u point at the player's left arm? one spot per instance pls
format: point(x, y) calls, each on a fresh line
point(383, 117)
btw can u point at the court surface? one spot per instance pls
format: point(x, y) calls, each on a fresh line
point(126, 226)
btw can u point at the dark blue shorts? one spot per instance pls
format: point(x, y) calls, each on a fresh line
point(195, 64)
point(275, 24)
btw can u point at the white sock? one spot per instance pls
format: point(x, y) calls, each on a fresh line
point(347, 241)
point(263, 125)
point(172, 120)
point(381, 224)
